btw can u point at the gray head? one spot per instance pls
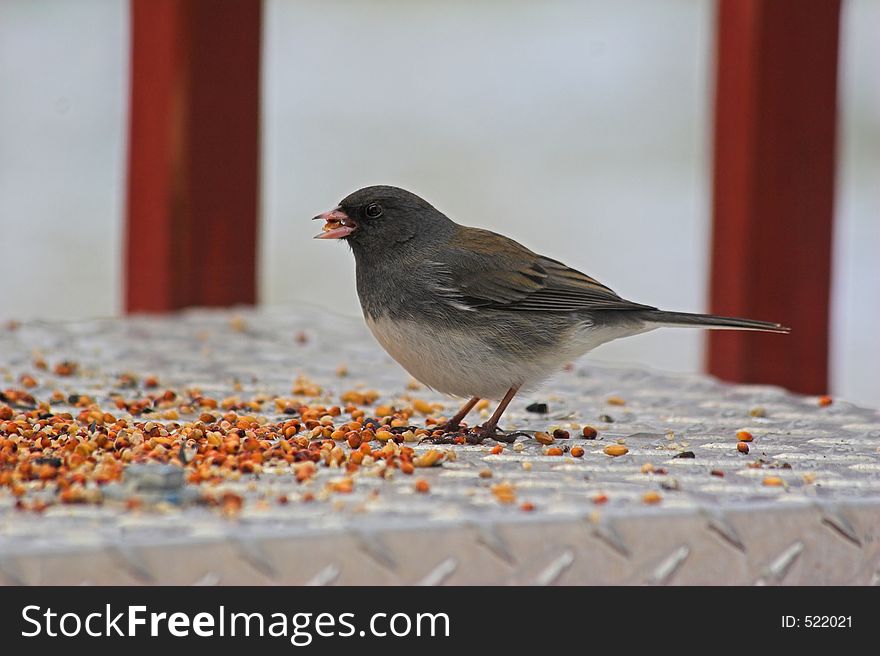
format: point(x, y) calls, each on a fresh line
point(381, 218)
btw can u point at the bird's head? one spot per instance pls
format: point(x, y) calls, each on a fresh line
point(380, 217)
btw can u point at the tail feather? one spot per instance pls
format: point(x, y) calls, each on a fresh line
point(712, 321)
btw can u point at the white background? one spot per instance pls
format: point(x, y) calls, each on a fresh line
point(580, 128)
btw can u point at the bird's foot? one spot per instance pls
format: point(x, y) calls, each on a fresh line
point(477, 435)
point(448, 427)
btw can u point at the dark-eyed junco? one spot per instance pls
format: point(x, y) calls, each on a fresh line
point(474, 314)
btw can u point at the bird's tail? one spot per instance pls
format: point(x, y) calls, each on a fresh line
point(712, 321)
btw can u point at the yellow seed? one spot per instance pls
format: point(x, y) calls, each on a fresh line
point(423, 406)
point(504, 492)
point(616, 450)
point(651, 497)
point(428, 459)
point(544, 438)
point(773, 481)
point(384, 435)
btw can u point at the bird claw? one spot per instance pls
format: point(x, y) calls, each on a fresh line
point(449, 427)
point(483, 432)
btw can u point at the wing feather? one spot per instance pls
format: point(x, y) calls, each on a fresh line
point(519, 280)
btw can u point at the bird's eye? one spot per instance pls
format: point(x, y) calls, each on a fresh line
point(373, 211)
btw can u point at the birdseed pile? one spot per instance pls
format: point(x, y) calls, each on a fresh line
point(258, 447)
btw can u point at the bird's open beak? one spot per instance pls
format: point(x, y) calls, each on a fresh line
point(337, 224)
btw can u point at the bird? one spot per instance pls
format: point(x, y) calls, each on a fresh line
point(474, 314)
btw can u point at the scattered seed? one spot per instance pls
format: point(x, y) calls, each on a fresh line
point(590, 433)
point(773, 481)
point(616, 450)
point(651, 497)
point(539, 408)
point(577, 451)
point(504, 492)
point(544, 438)
point(744, 436)
point(615, 400)
point(825, 401)
point(422, 486)
point(742, 447)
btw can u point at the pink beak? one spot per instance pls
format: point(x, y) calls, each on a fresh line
point(337, 224)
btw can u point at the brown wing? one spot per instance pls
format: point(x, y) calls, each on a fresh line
point(515, 278)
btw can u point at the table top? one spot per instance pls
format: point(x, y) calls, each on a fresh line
point(683, 504)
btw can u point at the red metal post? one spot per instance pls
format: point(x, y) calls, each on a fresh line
point(191, 235)
point(775, 116)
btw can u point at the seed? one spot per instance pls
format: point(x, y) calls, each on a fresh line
point(553, 451)
point(527, 506)
point(758, 411)
point(651, 497)
point(647, 468)
point(422, 486)
point(496, 450)
point(599, 499)
point(519, 447)
point(615, 400)
point(384, 435)
point(423, 407)
point(744, 436)
point(527, 466)
point(354, 439)
point(428, 459)
point(561, 434)
point(742, 447)
point(590, 433)
point(717, 472)
point(66, 368)
point(407, 468)
point(773, 481)
point(616, 450)
point(544, 438)
point(825, 401)
point(577, 451)
point(485, 473)
point(504, 492)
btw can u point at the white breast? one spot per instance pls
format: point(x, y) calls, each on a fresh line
point(457, 362)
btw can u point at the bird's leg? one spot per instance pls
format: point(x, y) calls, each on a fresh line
point(489, 428)
point(454, 424)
